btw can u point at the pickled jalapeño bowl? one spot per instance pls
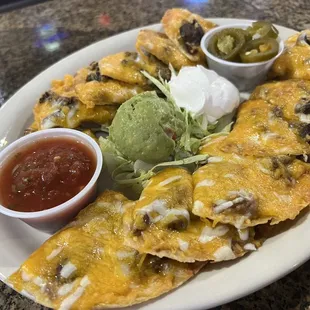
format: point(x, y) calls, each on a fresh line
point(245, 76)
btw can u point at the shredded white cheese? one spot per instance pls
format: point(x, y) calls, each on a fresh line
point(125, 269)
point(67, 270)
point(250, 247)
point(224, 253)
point(183, 245)
point(54, 253)
point(254, 138)
point(214, 159)
point(229, 176)
point(71, 299)
point(160, 207)
point(243, 234)
point(124, 254)
point(39, 282)
point(170, 180)
point(223, 206)
point(25, 276)
point(209, 233)
point(283, 198)
point(70, 116)
point(198, 206)
point(205, 182)
point(65, 289)
point(305, 118)
point(239, 223)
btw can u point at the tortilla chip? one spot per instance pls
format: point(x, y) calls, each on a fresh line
point(87, 266)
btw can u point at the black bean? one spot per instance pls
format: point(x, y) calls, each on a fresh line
point(285, 159)
point(179, 224)
point(58, 270)
point(45, 97)
point(305, 132)
point(165, 73)
point(275, 163)
point(89, 125)
point(303, 108)
point(91, 77)
point(28, 130)
point(304, 158)
point(145, 52)
point(132, 55)
point(157, 264)
point(146, 219)
point(277, 111)
point(93, 66)
point(96, 77)
point(137, 232)
point(124, 62)
point(191, 33)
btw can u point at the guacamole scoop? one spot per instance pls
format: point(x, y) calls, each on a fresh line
point(147, 127)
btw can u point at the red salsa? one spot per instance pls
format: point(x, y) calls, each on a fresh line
point(45, 174)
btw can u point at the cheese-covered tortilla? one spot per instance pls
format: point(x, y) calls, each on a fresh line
point(87, 266)
point(126, 67)
point(92, 87)
point(260, 131)
point(186, 30)
point(110, 92)
point(291, 99)
point(161, 223)
point(293, 63)
point(247, 191)
point(156, 47)
point(53, 111)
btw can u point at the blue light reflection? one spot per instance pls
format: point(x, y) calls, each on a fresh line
point(49, 37)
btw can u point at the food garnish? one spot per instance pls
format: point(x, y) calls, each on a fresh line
point(255, 44)
point(149, 133)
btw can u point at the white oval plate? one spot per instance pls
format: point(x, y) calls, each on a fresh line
point(217, 284)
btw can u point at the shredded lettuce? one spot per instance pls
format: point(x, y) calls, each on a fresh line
point(224, 132)
point(144, 176)
point(125, 172)
point(112, 157)
point(161, 85)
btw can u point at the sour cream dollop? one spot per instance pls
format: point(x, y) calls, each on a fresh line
point(204, 93)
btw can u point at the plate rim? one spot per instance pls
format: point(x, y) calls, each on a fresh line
point(198, 304)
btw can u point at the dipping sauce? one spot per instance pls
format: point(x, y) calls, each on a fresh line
point(45, 174)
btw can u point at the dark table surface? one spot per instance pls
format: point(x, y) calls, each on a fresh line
point(33, 38)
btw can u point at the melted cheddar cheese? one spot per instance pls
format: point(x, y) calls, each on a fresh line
point(289, 98)
point(124, 66)
point(247, 191)
point(260, 132)
point(69, 113)
point(161, 223)
point(87, 266)
point(113, 92)
point(294, 62)
point(152, 44)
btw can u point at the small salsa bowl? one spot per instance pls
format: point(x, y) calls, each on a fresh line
point(245, 76)
point(53, 219)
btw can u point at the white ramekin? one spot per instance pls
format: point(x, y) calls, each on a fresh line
point(53, 219)
point(244, 76)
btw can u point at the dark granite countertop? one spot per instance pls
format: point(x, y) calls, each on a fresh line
point(74, 24)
